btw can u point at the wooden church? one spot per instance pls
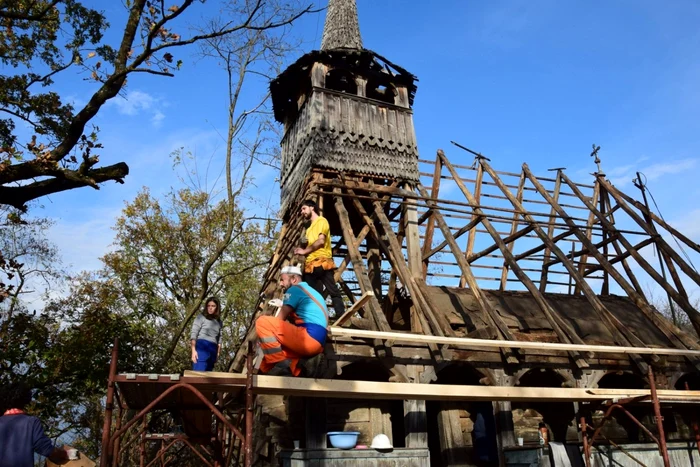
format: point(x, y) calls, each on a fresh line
point(503, 283)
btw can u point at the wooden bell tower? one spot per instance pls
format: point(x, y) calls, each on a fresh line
point(346, 112)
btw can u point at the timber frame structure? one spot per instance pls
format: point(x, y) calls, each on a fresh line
point(396, 240)
point(481, 303)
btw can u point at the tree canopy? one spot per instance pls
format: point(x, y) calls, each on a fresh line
point(41, 39)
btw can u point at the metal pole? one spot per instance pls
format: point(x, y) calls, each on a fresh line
point(659, 419)
point(142, 444)
point(106, 457)
point(117, 442)
point(586, 447)
point(249, 401)
point(640, 185)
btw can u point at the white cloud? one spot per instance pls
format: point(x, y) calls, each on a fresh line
point(135, 102)
point(621, 176)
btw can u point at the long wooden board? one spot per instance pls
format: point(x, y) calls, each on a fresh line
point(308, 387)
point(483, 343)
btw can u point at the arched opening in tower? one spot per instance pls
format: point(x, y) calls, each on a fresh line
point(557, 417)
point(380, 91)
point(342, 81)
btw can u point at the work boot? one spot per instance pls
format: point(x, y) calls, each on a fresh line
point(280, 369)
point(313, 367)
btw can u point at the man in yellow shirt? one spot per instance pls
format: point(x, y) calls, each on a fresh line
point(319, 267)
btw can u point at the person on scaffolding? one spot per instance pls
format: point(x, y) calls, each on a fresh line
point(206, 336)
point(319, 268)
point(284, 343)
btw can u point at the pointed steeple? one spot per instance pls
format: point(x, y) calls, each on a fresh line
point(342, 29)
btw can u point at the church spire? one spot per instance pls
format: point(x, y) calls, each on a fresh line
point(342, 29)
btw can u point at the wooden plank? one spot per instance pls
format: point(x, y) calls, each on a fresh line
point(307, 387)
point(485, 344)
point(354, 308)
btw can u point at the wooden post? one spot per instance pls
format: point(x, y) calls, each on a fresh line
point(452, 442)
point(415, 258)
point(513, 230)
point(563, 330)
point(315, 422)
point(415, 416)
point(106, 457)
point(550, 234)
point(477, 196)
point(430, 228)
point(489, 315)
point(589, 233)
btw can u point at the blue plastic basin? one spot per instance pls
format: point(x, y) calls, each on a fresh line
point(343, 439)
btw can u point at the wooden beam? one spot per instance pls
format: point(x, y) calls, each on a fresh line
point(413, 249)
point(307, 387)
point(430, 228)
point(671, 332)
point(457, 234)
point(467, 342)
point(354, 308)
point(513, 229)
point(471, 237)
point(437, 321)
point(357, 263)
point(509, 239)
point(550, 234)
point(490, 316)
point(656, 218)
point(620, 333)
point(621, 255)
point(563, 329)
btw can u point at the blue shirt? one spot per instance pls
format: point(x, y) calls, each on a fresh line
point(20, 437)
point(314, 318)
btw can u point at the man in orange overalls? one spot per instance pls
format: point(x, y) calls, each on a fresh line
point(284, 343)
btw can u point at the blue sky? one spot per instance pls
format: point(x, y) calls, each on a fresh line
point(520, 81)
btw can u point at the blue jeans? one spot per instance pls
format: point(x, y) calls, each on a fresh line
point(206, 352)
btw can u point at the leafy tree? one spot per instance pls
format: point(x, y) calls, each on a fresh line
point(27, 260)
point(40, 39)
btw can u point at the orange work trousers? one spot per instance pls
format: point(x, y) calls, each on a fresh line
point(281, 340)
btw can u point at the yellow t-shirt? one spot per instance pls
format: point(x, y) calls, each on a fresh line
point(318, 227)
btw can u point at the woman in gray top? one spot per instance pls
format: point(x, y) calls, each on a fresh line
point(206, 336)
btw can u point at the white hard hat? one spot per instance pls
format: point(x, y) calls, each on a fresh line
point(381, 441)
point(293, 270)
point(276, 302)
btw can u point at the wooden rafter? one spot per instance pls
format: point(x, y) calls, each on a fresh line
point(489, 314)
